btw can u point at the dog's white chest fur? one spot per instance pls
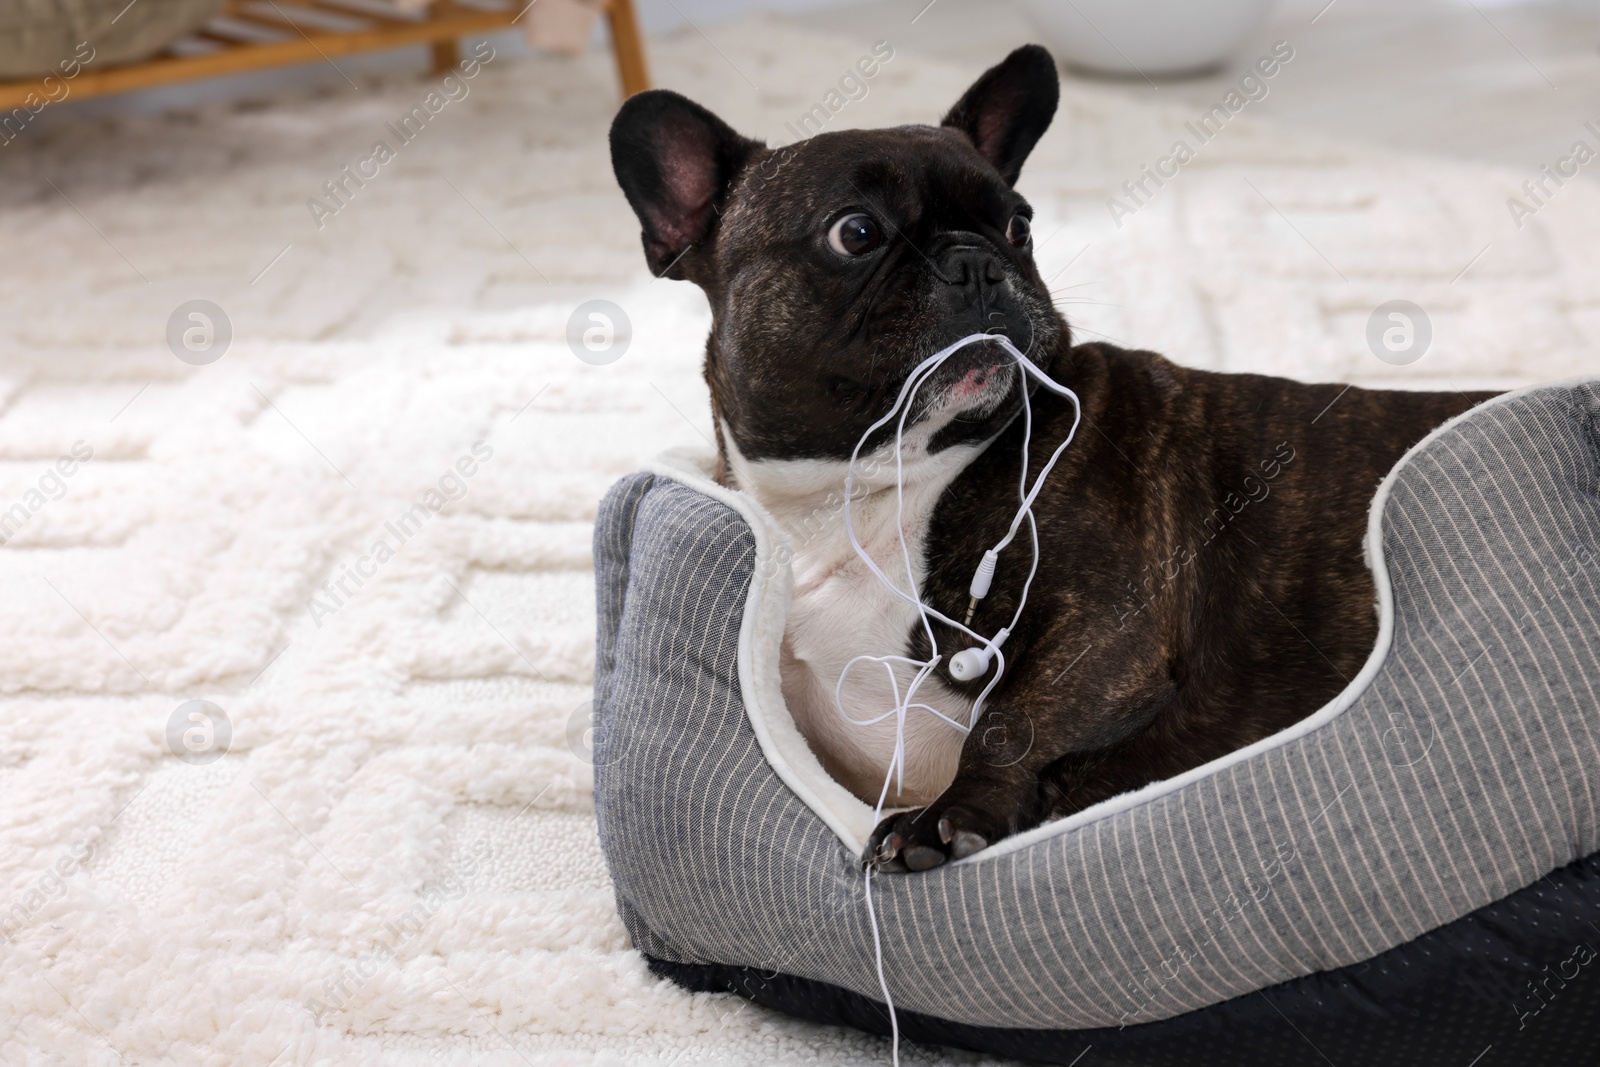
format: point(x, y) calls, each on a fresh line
point(840, 610)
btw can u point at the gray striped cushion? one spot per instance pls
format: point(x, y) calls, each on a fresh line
point(1465, 766)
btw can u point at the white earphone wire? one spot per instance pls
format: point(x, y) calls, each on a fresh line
point(902, 706)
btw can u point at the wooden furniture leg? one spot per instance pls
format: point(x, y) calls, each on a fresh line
point(628, 46)
point(446, 54)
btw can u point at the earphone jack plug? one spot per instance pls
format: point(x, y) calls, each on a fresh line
point(981, 580)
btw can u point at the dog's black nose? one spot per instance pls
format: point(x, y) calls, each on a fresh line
point(969, 264)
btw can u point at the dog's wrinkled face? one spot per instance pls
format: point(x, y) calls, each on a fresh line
point(834, 266)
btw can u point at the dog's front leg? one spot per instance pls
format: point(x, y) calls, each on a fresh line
point(1030, 730)
point(996, 793)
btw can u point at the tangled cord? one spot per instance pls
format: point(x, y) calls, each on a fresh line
point(976, 661)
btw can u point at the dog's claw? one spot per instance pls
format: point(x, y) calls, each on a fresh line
point(964, 843)
point(920, 842)
point(887, 849)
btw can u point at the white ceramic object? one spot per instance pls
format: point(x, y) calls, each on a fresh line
point(1147, 37)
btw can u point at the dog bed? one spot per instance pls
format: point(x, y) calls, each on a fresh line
point(1415, 862)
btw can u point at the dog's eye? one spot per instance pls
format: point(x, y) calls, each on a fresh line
point(1019, 231)
point(855, 235)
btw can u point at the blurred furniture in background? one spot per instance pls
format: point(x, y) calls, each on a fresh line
point(159, 44)
point(37, 36)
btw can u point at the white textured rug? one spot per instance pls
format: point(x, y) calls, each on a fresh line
point(395, 861)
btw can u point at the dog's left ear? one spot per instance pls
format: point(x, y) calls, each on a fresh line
point(675, 162)
point(1008, 109)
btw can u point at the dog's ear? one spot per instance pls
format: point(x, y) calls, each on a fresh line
point(675, 161)
point(1008, 109)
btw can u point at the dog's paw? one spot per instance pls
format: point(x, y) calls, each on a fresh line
point(923, 839)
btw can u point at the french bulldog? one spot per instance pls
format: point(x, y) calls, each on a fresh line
point(1200, 580)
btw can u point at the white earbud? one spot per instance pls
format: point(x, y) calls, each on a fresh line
point(973, 663)
point(969, 664)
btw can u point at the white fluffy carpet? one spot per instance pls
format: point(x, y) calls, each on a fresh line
point(399, 796)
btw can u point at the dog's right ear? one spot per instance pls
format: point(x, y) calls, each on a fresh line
point(1008, 109)
point(675, 162)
